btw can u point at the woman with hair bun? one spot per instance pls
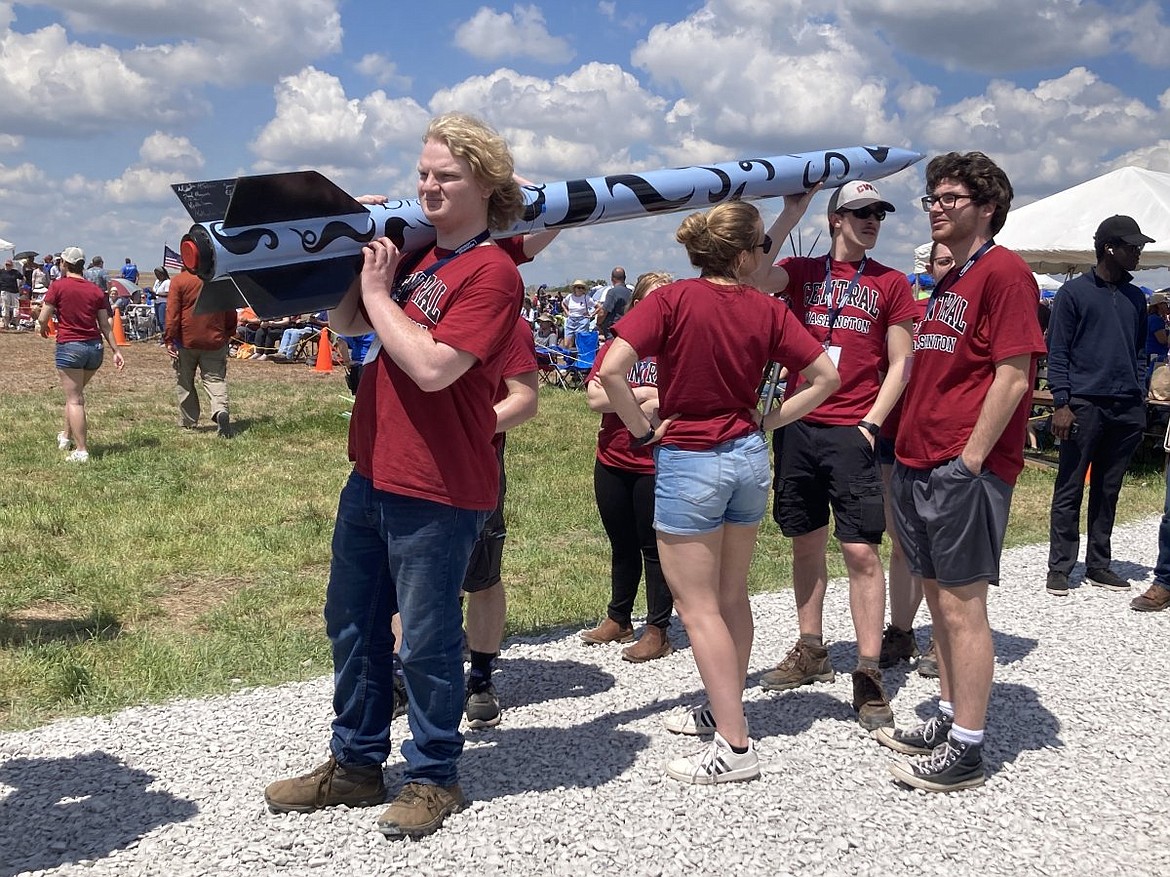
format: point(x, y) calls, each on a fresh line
point(713, 337)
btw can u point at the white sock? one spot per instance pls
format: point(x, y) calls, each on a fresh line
point(946, 708)
point(966, 735)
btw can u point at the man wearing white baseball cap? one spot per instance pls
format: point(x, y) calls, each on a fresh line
point(862, 313)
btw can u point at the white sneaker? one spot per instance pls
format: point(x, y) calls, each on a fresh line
point(717, 763)
point(694, 722)
point(64, 443)
point(77, 457)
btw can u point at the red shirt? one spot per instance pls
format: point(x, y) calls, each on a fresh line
point(712, 343)
point(519, 359)
point(890, 425)
point(882, 298)
point(438, 446)
point(76, 303)
point(613, 439)
point(987, 316)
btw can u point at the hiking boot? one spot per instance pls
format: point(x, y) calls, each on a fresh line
point(420, 809)
point(223, 424)
point(327, 785)
point(653, 644)
point(1108, 579)
point(483, 708)
point(1155, 599)
point(920, 740)
point(401, 698)
point(897, 646)
point(928, 663)
point(951, 767)
point(869, 699)
point(1057, 583)
point(716, 763)
point(803, 665)
point(609, 631)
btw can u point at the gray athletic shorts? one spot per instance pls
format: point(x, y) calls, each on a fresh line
point(950, 522)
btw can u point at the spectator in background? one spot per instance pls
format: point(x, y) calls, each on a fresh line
point(1096, 372)
point(130, 271)
point(28, 267)
point(198, 341)
point(96, 273)
point(83, 320)
point(40, 278)
point(10, 280)
point(161, 291)
point(1157, 324)
point(302, 329)
point(614, 301)
point(545, 334)
point(577, 311)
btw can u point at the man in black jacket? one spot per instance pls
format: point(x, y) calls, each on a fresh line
point(1096, 352)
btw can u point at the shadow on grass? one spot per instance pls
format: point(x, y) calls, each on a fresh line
point(65, 810)
point(30, 631)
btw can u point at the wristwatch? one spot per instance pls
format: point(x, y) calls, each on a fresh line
point(872, 428)
point(644, 440)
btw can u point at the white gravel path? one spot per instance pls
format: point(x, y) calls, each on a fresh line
point(571, 783)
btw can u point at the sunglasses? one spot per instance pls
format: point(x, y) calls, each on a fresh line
point(868, 213)
point(765, 245)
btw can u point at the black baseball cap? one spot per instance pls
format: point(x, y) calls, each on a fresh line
point(1121, 228)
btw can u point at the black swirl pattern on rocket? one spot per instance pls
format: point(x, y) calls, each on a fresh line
point(582, 203)
point(333, 231)
point(809, 182)
point(651, 199)
point(244, 242)
point(534, 210)
point(880, 153)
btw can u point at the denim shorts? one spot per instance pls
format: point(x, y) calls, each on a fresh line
point(697, 492)
point(85, 355)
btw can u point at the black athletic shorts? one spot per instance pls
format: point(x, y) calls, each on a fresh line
point(820, 467)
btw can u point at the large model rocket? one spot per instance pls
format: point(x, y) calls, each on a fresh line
point(291, 243)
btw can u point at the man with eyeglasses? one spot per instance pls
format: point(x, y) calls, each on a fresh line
point(1096, 372)
point(959, 451)
point(862, 312)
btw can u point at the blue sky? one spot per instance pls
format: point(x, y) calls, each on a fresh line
point(107, 104)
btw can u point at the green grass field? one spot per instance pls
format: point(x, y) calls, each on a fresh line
point(177, 564)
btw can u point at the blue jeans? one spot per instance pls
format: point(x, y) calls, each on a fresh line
point(1162, 566)
point(697, 492)
point(392, 554)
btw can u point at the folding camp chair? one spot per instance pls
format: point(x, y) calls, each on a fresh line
point(551, 368)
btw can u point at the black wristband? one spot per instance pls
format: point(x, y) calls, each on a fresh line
point(872, 428)
point(644, 440)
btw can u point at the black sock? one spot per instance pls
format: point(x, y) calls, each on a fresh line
point(739, 750)
point(481, 670)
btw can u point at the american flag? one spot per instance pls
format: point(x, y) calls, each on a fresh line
point(172, 261)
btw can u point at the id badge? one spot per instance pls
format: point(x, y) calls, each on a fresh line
point(834, 351)
point(907, 368)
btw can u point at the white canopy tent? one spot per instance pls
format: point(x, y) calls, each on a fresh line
point(6, 245)
point(1055, 234)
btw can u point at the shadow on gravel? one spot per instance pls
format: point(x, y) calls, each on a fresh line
point(789, 713)
point(63, 810)
point(529, 681)
point(1010, 648)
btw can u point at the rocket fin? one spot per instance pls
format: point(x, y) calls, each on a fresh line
point(298, 288)
point(205, 201)
point(219, 295)
point(286, 197)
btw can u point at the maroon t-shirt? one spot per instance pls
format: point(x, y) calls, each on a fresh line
point(712, 343)
point(613, 439)
point(438, 446)
point(987, 316)
point(519, 359)
point(881, 298)
point(76, 303)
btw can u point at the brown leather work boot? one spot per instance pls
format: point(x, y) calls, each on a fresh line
point(653, 644)
point(803, 665)
point(609, 631)
point(327, 785)
point(420, 809)
point(869, 699)
point(1155, 599)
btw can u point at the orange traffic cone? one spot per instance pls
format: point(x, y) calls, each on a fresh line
point(324, 353)
point(119, 332)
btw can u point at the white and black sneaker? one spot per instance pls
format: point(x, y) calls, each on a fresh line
point(716, 763)
point(951, 767)
point(694, 722)
point(920, 740)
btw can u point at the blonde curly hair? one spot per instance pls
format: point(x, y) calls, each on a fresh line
point(474, 141)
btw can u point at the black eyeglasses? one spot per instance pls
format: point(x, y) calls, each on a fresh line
point(765, 245)
point(946, 201)
point(867, 213)
point(1137, 248)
